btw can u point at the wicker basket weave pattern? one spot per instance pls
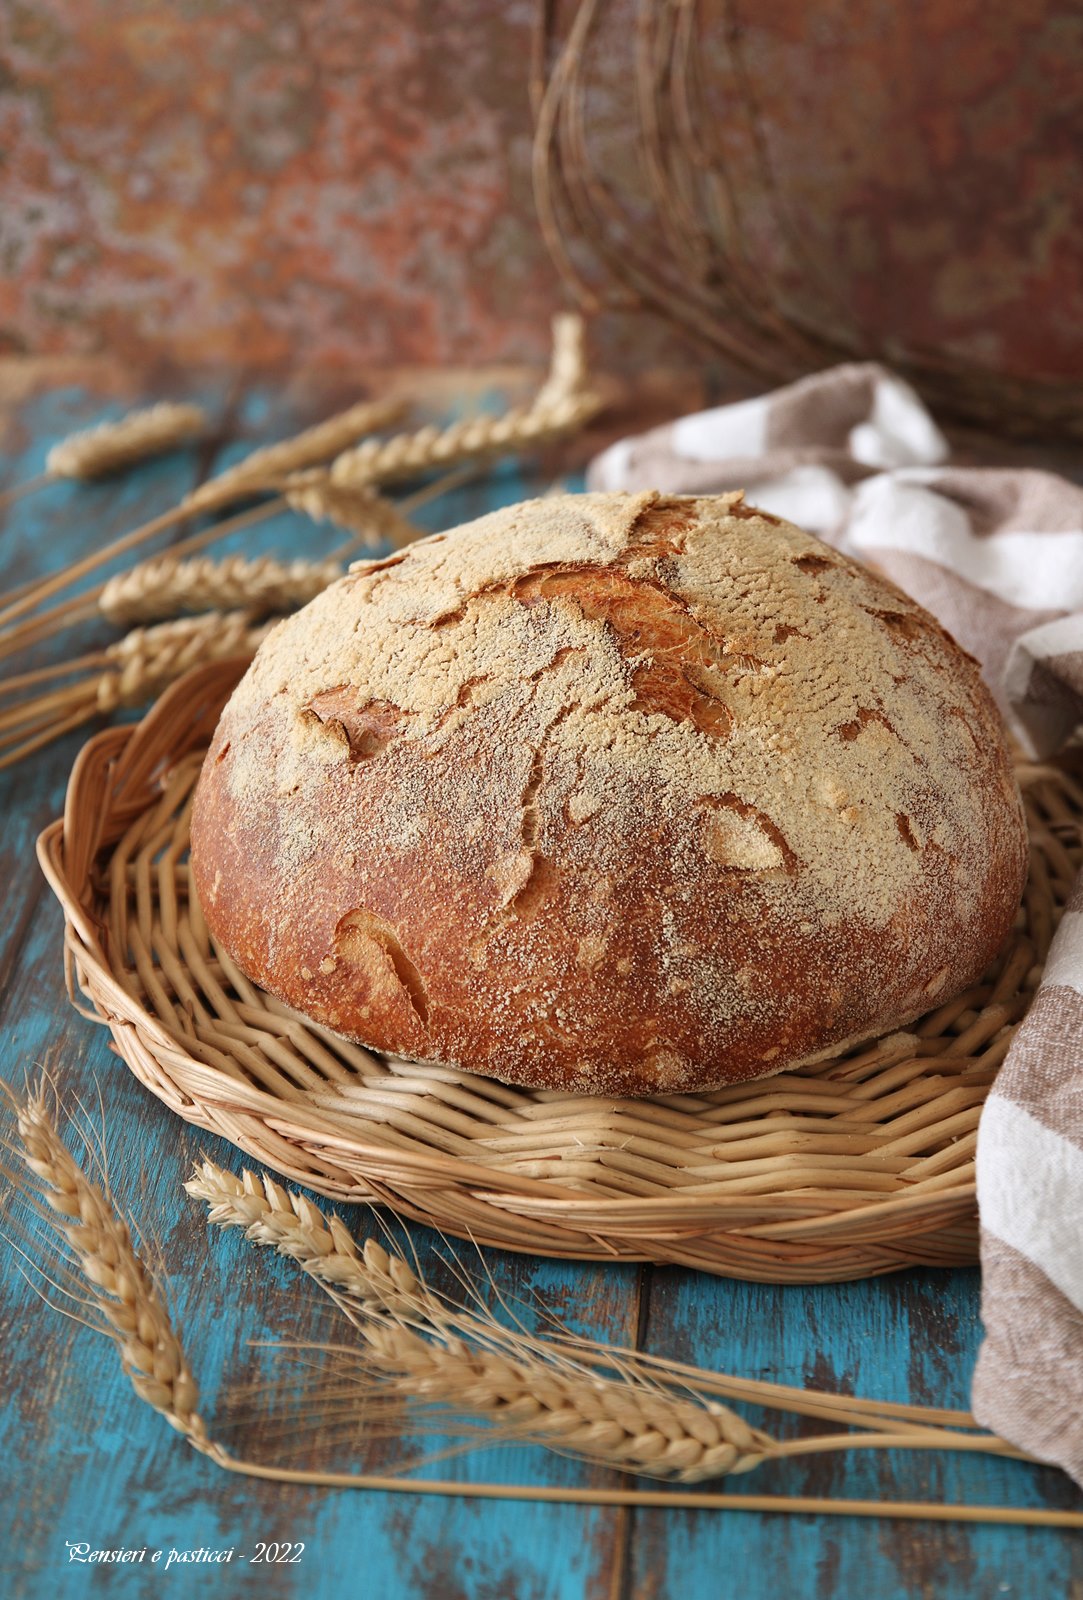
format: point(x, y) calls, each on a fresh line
point(857, 1166)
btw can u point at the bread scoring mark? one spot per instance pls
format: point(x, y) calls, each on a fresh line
point(935, 984)
point(738, 508)
point(656, 631)
point(556, 661)
point(849, 731)
point(902, 822)
point(370, 945)
point(961, 716)
point(365, 569)
point(907, 627)
point(536, 883)
point(667, 647)
point(367, 730)
point(542, 882)
point(223, 753)
point(813, 564)
point(663, 688)
point(465, 697)
point(658, 532)
point(742, 838)
point(529, 803)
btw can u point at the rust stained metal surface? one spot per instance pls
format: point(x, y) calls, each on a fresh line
point(929, 157)
point(274, 182)
point(220, 181)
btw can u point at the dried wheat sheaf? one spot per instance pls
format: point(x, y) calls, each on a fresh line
point(610, 1406)
point(324, 474)
point(109, 447)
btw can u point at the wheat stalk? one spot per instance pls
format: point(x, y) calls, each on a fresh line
point(266, 467)
point(136, 668)
point(146, 660)
point(470, 439)
point(109, 446)
point(166, 586)
point(128, 672)
point(125, 1298)
point(611, 1407)
point(128, 1307)
point(106, 448)
point(143, 593)
point(561, 406)
point(262, 471)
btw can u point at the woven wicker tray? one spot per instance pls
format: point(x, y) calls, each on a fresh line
point(858, 1166)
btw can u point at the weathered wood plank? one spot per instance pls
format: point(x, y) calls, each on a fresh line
point(98, 1464)
point(911, 1337)
point(83, 1459)
point(40, 534)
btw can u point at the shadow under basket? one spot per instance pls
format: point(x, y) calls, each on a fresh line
point(860, 1165)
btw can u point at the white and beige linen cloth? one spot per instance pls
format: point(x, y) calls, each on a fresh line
point(997, 555)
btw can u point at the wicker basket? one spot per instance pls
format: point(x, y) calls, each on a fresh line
point(858, 1166)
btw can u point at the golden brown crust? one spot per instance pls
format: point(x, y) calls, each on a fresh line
point(612, 793)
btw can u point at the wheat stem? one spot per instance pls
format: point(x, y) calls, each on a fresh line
point(135, 669)
point(664, 1499)
point(56, 669)
point(48, 732)
point(259, 472)
point(602, 1404)
point(123, 1293)
point(28, 486)
point(125, 1303)
point(47, 587)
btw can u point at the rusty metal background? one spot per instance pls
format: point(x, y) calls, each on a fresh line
point(339, 181)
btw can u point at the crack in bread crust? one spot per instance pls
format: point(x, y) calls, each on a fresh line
point(619, 793)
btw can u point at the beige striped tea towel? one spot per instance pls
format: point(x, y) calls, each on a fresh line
point(997, 556)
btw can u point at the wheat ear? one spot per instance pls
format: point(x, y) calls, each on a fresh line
point(129, 672)
point(561, 406)
point(167, 586)
point(143, 592)
point(109, 446)
point(125, 1299)
point(260, 472)
point(96, 452)
point(608, 1406)
point(134, 1314)
point(370, 517)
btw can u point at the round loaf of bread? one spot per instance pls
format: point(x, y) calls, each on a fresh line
point(613, 794)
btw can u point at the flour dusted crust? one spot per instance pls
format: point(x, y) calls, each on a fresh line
point(611, 793)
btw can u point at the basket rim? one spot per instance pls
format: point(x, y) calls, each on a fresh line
point(116, 768)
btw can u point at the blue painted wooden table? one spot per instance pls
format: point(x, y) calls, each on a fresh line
point(83, 1460)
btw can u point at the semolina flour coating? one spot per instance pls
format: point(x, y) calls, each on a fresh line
point(617, 793)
